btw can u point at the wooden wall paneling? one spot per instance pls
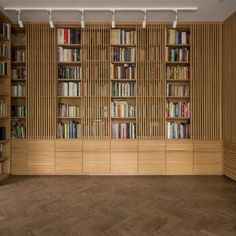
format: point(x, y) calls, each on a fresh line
point(229, 97)
point(41, 157)
point(19, 157)
point(207, 157)
point(124, 158)
point(151, 157)
point(41, 76)
point(96, 156)
point(179, 157)
point(206, 81)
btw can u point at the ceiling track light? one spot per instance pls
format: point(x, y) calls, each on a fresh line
point(144, 20)
point(176, 19)
point(19, 19)
point(50, 19)
point(82, 19)
point(113, 23)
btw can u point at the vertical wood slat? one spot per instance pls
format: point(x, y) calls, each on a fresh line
point(41, 96)
point(206, 74)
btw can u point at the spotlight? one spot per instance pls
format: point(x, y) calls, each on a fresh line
point(19, 19)
point(113, 23)
point(82, 20)
point(50, 19)
point(144, 19)
point(176, 19)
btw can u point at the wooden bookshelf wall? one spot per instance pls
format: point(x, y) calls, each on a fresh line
point(229, 96)
point(106, 155)
point(5, 97)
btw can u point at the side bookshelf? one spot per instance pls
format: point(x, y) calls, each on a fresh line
point(69, 86)
point(177, 83)
point(5, 77)
point(123, 83)
point(18, 84)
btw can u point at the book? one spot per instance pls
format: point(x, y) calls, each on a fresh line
point(180, 109)
point(18, 56)
point(177, 54)
point(69, 130)
point(177, 130)
point(68, 55)
point(121, 36)
point(126, 71)
point(69, 72)
point(66, 110)
point(18, 130)
point(123, 54)
point(177, 90)
point(18, 111)
point(123, 130)
point(3, 68)
point(18, 90)
point(3, 109)
point(2, 133)
point(123, 89)
point(18, 73)
point(5, 29)
point(177, 72)
point(122, 109)
point(3, 50)
point(68, 36)
point(174, 36)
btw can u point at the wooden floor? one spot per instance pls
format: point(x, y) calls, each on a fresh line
point(117, 205)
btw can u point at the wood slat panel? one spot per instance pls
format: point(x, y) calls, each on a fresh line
point(68, 146)
point(206, 81)
point(41, 76)
point(150, 82)
point(207, 157)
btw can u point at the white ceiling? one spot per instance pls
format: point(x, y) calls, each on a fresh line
point(208, 10)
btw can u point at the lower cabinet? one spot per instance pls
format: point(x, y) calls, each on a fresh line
point(179, 157)
point(19, 157)
point(151, 157)
point(124, 157)
point(41, 157)
point(68, 157)
point(96, 157)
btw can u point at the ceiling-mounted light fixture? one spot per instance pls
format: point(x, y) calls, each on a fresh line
point(50, 19)
point(113, 23)
point(19, 19)
point(145, 19)
point(82, 19)
point(176, 19)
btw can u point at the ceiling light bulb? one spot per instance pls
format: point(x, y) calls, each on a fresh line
point(113, 23)
point(82, 20)
point(19, 19)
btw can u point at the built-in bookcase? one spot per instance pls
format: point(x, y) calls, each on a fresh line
point(178, 83)
point(69, 86)
point(5, 81)
point(18, 83)
point(123, 83)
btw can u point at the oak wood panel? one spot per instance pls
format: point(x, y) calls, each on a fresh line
point(68, 163)
point(68, 146)
point(41, 157)
point(124, 157)
point(179, 157)
point(206, 81)
point(151, 157)
point(96, 156)
point(207, 157)
point(19, 157)
point(41, 81)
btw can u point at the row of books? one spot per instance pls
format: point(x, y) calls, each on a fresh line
point(69, 72)
point(2, 133)
point(3, 68)
point(17, 129)
point(177, 54)
point(123, 89)
point(69, 129)
point(177, 90)
point(121, 108)
point(18, 56)
point(66, 110)
point(71, 89)
point(126, 71)
point(5, 29)
point(177, 72)
point(18, 90)
point(18, 73)
point(68, 55)
point(177, 37)
point(3, 50)
point(68, 36)
point(178, 109)
point(3, 109)
point(177, 130)
point(123, 130)
point(120, 54)
point(121, 36)
point(18, 111)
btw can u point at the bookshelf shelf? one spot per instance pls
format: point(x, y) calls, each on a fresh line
point(4, 158)
point(4, 141)
point(68, 118)
point(69, 97)
point(177, 68)
point(69, 62)
point(18, 117)
point(4, 76)
point(124, 45)
point(18, 63)
point(123, 62)
point(2, 57)
point(18, 46)
point(69, 80)
point(3, 38)
point(69, 45)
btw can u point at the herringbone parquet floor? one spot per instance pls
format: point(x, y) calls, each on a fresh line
point(117, 206)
